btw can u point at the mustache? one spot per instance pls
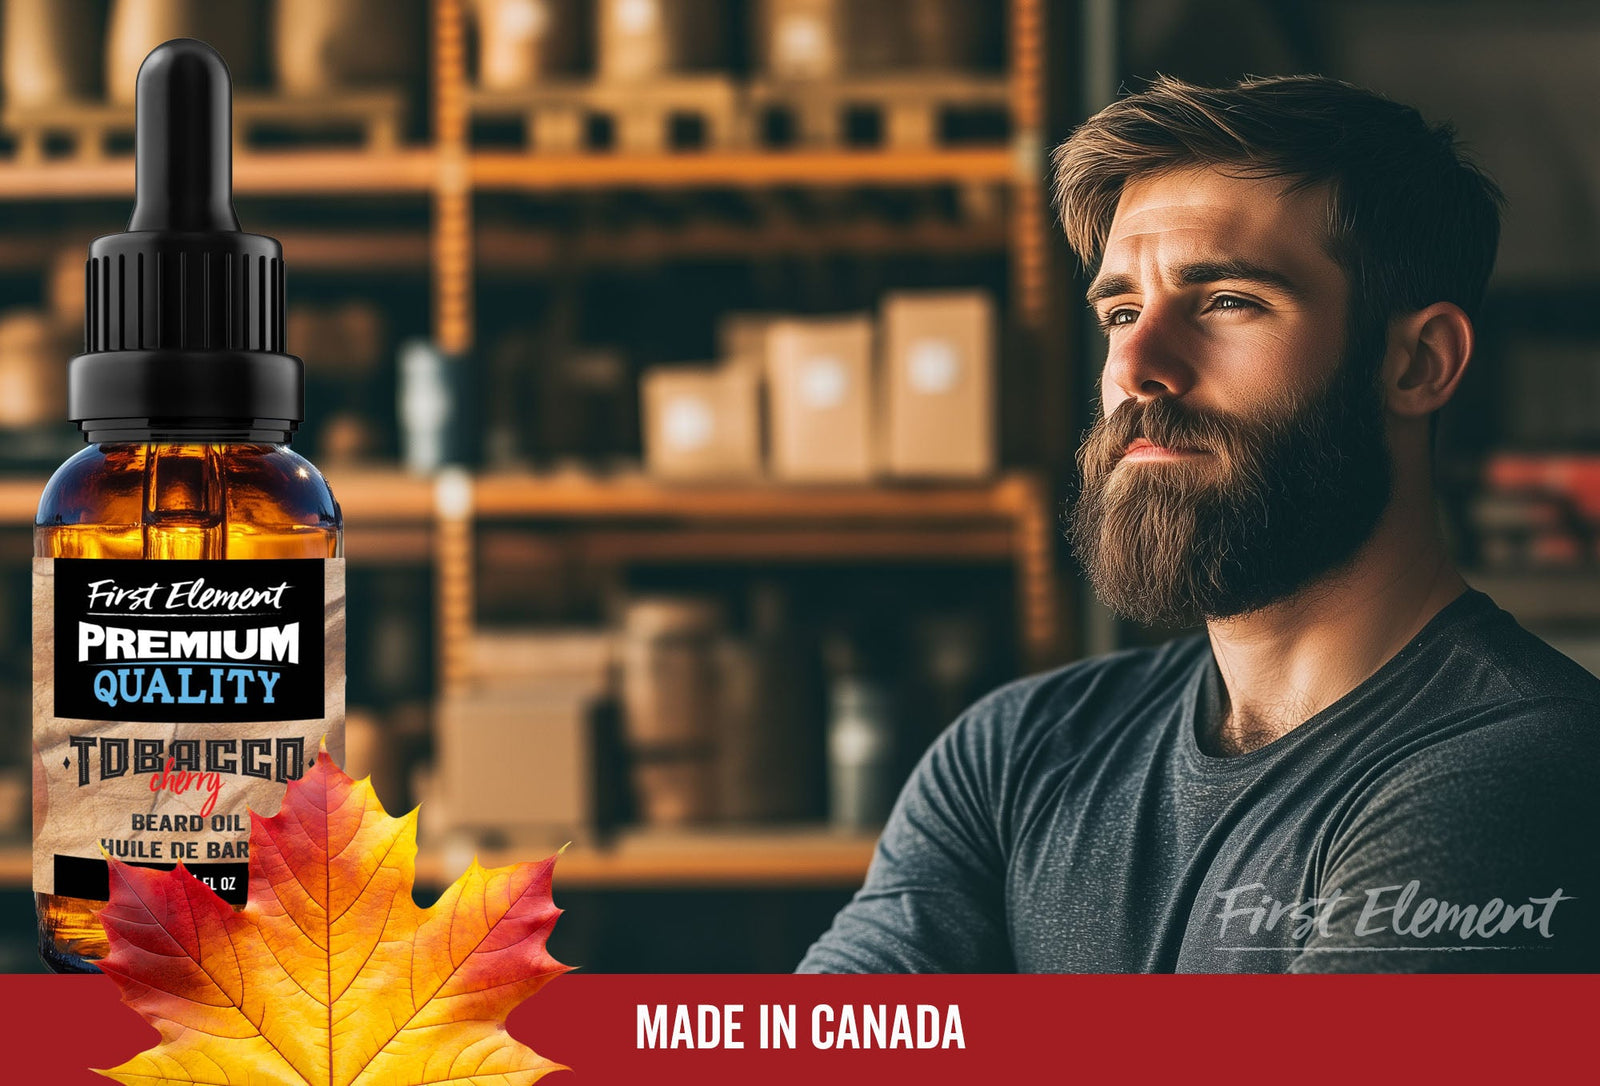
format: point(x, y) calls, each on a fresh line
point(1165, 422)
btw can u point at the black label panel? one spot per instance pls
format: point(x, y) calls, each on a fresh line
point(91, 879)
point(189, 640)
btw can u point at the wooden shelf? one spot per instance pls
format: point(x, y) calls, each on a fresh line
point(711, 859)
point(382, 496)
point(737, 169)
point(640, 497)
point(367, 495)
point(636, 518)
point(288, 173)
point(364, 173)
point(390, 515)
point(379, 496)
point(1006, 519)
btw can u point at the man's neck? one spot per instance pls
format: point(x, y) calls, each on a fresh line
point(1284, 664)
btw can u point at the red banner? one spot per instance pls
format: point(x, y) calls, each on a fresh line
point(932, 1030)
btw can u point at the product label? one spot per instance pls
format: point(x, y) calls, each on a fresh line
point(170, 699)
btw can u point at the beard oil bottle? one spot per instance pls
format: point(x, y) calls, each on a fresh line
point(188, 574)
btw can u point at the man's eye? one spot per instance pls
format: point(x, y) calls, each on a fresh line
point(1228, 301)
point(1114, 319)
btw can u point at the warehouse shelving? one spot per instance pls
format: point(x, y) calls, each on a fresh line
point(448, 170)
point(393, 516)
point(1006, 519)
point(397, 518)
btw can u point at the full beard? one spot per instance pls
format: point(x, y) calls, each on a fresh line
point(1285, 496)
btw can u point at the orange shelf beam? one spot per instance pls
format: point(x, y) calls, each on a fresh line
point(359, 173)
point(379, 496)
point(291, 173)
point(743, 168)
point(512, 496)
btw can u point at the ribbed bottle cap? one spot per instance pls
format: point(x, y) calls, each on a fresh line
point(183, 336)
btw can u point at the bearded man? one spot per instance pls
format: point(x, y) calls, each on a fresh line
point(1362, 764)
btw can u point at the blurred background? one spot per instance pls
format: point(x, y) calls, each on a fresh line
point(700, 381)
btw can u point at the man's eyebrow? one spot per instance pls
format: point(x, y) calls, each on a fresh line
point(1210, 271)
point(1198, 272)
point(1109, 287)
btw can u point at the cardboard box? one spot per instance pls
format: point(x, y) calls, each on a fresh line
point(650, 39)
point(800, 39)
point(632, 40)
point(939, 384)
point(741, 336)
point(580, 660)
point(820, 388)
point(765, 736)
point(521, 743)
point(516, 764)
point(674, 790)
point(702, 423)
point(370, 750)
point(521, 42)
point(669, 675)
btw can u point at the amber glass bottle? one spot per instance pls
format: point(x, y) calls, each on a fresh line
point(188, 565)
point(160, 500)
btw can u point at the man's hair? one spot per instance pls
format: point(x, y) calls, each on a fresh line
point(1411, 220)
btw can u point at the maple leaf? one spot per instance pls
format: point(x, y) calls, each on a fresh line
point(331, 974)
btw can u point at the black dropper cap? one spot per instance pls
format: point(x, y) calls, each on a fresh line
point(183, 338)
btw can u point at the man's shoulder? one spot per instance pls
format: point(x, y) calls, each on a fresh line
point(1532, 669)
point(1083, 694)
point(1494, 699)
point(1510, 720)
point(1548, 736)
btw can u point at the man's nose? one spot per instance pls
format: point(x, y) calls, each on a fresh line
point(1148, 358)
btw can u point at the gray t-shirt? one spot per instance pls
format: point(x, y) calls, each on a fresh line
point(1441, 816)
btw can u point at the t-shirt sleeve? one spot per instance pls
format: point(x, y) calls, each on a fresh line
point(933, 901)
point(1479, 854)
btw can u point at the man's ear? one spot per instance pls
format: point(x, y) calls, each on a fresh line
point(1427, 355)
